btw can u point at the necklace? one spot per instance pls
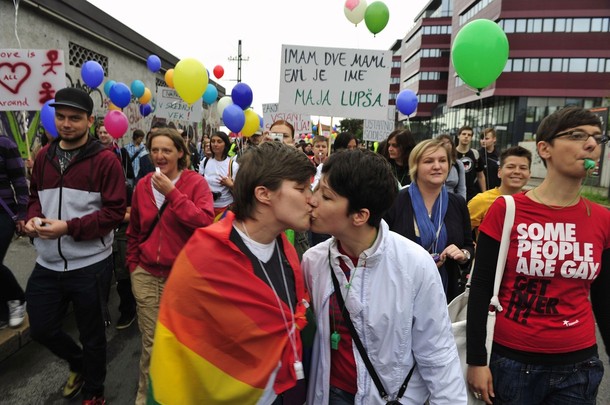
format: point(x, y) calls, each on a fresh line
point(290, 331)
point(571, 202)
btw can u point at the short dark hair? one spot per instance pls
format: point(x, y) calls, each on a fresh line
point(405, 142)
point(185, 161)
point(363, 177)
point(565, 118)
point(489, 130)
point(267, 165)
point(448, 137)
point(518, 151)
point(466, 128)
point(138, 133)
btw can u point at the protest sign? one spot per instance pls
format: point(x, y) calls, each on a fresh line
point(272, 113)
point(335, 82)
point(170, 106)
point(378, 130)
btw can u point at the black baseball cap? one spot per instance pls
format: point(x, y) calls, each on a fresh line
point(73, 98)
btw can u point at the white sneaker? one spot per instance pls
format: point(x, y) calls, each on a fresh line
point(16, 313)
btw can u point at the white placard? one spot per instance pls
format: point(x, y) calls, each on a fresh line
point(170, 106)
point(272, 113)
point(30, 77)
point(335, 82)
point(378, 130)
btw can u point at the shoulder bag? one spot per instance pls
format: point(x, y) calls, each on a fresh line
point(459, 306)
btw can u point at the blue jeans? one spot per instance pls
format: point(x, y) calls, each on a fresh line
point(9, 286)
point(48, 293)
point(525, 384)
point(339, 397)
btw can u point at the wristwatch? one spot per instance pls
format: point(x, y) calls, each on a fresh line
point(466, 254)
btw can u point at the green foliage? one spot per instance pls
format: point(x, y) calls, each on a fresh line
point(352, 125)
point(595, 195)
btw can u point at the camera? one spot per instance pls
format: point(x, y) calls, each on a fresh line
point(277, 136)
point(216, 195)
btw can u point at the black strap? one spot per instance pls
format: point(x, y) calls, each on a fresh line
point(154, 223)
point(360, 346)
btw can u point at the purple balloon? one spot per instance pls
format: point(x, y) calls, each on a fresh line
point(145, 109)
point(120, 95)
point(242, 95)
point(47, 118)
point(406, 102)
point(234, 117)
point(154, 63)
point(92, 73)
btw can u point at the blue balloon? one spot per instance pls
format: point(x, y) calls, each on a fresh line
point(153, 63)
point(234, 117)
point(145, 109)
point(211, 94)
point(137, 88)
point(242, 95)
point(406, 102)
point(92, 73)
point(107, 86)
point(47, 118)
point(120, 95)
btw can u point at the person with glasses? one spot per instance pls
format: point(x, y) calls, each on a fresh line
point(556, 279)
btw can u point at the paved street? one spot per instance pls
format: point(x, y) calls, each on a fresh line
point(34, 376)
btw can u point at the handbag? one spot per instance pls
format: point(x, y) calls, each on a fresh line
point(458, 307)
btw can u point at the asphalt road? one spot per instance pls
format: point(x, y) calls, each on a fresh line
point(35, 376)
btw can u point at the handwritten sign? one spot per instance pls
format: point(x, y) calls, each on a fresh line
point(172, 107)
point(335, 82)
point(300, 122)
point(30, 77)
point(378, 130)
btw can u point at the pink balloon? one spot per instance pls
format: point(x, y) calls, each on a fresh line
point(116, 123)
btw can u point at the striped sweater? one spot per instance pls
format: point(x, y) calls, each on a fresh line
point(13, 186)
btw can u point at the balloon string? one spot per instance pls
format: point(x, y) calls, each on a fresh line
point(16, 4)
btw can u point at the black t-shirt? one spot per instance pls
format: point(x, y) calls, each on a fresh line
point(492, 162)
point(473, 164)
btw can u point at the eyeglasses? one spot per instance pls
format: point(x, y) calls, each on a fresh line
point(580, 135)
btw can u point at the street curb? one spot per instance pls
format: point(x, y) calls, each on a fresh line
point(11, 340)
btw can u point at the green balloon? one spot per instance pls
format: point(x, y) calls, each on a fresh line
point(376, 16)
point(479, 53)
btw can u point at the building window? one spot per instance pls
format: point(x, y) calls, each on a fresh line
point(545, 65)
point(581, 25)
point(521, 25)
point(547, 25)
point(577, 65)
point(560, 25)
point(78, 55)
point(509, 26)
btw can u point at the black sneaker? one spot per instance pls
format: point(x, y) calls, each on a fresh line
point(125, 321)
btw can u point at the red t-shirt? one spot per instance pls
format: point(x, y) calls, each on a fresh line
point(554, 256)
point(342, 362)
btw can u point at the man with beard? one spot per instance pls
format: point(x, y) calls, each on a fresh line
point(77, 198)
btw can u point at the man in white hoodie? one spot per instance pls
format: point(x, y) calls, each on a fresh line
point(389, 286)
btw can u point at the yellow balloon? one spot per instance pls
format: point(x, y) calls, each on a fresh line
point(145, 98)
point(169, 78)
point(252, 123)
point(113, 107)
point(190, 79)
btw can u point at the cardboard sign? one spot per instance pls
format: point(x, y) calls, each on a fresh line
point(30, 77)
point(170, 106)
point(335, 82)
point(378, 130)
point(272, 113)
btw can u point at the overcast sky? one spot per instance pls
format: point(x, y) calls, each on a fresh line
point(209, 32)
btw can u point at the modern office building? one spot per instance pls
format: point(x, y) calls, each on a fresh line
point(559, 55)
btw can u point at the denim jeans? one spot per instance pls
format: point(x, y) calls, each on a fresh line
point(48, 294)
point(339, 397)
point(9, 286)
point(525, 384)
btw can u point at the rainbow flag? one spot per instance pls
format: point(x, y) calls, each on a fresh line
point(220, 336)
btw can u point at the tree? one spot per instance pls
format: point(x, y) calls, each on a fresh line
point(352, 125)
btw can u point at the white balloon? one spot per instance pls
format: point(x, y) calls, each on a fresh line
point(354, 10)
point(223, 103)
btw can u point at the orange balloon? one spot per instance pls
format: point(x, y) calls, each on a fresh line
point(169, 78)
point(112, 107)
point(146, 96)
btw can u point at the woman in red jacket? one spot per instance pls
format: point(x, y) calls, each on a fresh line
point(167, 206)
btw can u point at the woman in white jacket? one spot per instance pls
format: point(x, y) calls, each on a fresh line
point(391, 289)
